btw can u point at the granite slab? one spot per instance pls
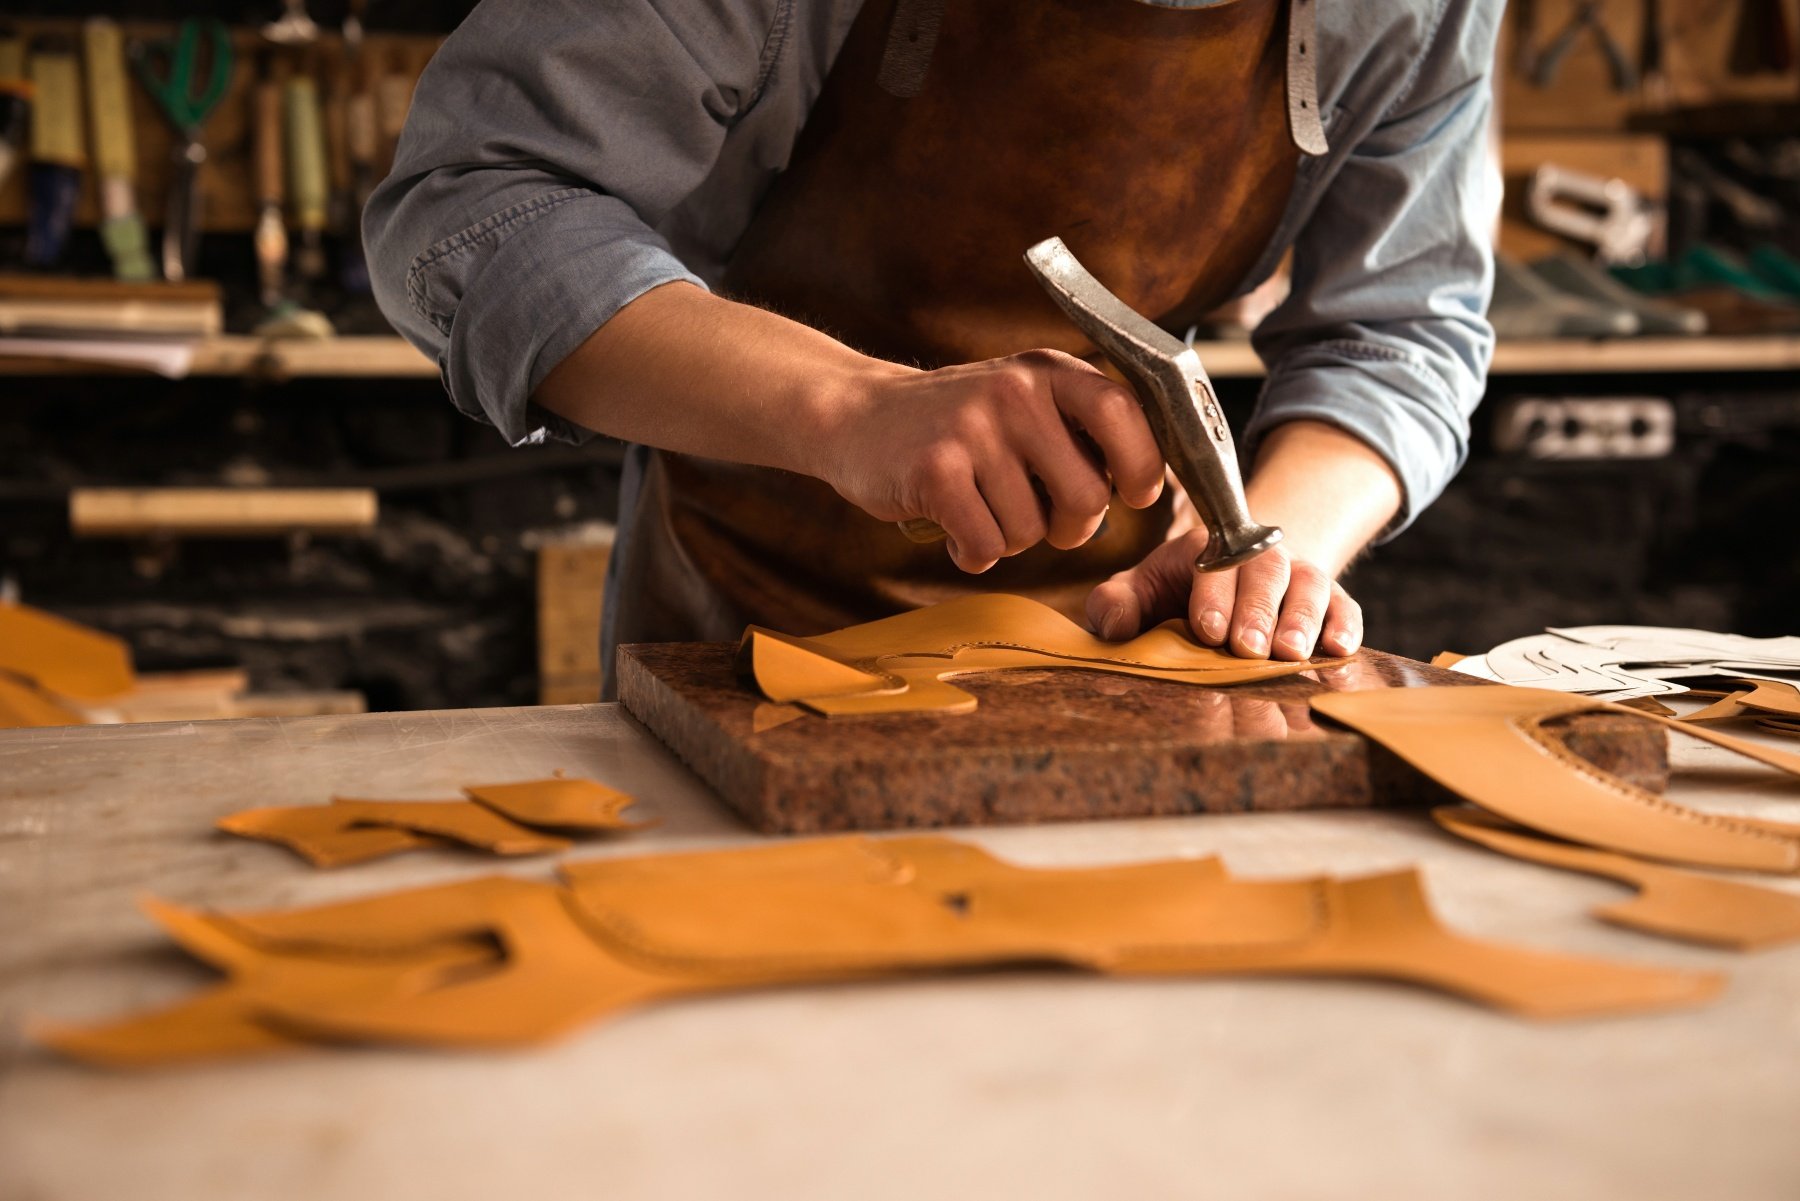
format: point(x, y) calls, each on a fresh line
point(1065, 745)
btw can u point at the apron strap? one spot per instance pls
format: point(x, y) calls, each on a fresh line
point(1303, 80)
point(912, 36)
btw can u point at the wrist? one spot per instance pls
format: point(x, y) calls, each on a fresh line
point(834, 402)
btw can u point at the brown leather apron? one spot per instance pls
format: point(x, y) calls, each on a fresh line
point(1155, 141)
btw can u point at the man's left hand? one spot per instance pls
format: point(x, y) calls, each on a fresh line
point(1276, 606)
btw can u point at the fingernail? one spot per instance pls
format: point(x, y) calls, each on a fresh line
point(1295, 641)
point(1256, 642)
point(1212, 625)
point(1344, 640)
point(1109, 625)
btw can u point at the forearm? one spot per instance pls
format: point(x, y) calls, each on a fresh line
point(684, 370)
point(1328, 491)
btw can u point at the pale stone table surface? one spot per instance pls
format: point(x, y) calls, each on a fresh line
point(1032, 1085)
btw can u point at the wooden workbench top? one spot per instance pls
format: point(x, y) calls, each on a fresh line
point(1023, 1084)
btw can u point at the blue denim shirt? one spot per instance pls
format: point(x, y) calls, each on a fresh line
point(563, 157)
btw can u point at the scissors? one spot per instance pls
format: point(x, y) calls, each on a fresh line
point(170, 73)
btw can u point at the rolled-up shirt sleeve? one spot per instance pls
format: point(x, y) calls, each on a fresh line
point(1384, 334)
point(546, 140)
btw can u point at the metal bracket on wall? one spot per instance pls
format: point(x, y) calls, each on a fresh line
point(1611, 427)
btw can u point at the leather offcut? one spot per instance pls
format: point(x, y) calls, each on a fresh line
point(502, 962)
point(899, 664)
point(1669, 901)
point(1489, 746)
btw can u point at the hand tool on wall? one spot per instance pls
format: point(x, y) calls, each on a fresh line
point(1178, 401)
point(115, 151)
point(294, 27)
point(170, 72)
point(393, 98)
point(354, 140)
point(15, 103)
point(271, 233)
point(1609, 213)
point(1587, 16)
point(57, 153)
point(1762, 41)
point(1651, 79)
point(308, 187)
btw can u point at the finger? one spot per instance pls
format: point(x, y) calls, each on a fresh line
point(1015, 504)
point(1253, 718)
point(1343, 632)
point(973, 538)
point(1077, 489)
point(1261, 583)
point(1142, 596)
point(1109, 413)
point(1302, 611)
point(1209, 609)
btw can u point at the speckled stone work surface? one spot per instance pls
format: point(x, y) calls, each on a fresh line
point(1053, 746)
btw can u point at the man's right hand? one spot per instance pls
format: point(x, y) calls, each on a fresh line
point(1002, 454)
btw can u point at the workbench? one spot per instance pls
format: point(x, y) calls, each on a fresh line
point(1022, 1084)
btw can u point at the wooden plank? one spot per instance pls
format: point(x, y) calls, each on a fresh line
point(222, 512)
point(1164, 1086)
point(571, 581)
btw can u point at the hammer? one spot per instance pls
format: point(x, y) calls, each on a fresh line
point(1178, 401)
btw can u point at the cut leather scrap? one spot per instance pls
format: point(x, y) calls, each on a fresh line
point(1489, 746)
point(61, 657)
point(1670, 901)
point(899, 664)
point(324, 836)
point(232, 1019)
point(506, 962)
point(559, 803)
point(23, 706)
point(349, 831)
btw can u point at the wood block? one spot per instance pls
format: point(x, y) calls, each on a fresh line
point(226, 512)
point(571, 582)
point(1063, 745)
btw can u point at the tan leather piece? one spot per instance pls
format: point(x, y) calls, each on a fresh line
point(897, 664)
point(351, 831)
point(64, 659)
point(232, 1019)
point(322, 835)
point(506, 962)
point(1489, 746)
point(559, 803)
point(1670, 901)
point(23, 706)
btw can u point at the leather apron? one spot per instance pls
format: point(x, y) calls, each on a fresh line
point(1154, 140)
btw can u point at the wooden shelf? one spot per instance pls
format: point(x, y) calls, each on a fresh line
point(390, 357)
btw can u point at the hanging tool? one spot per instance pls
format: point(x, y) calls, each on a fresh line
point(1651, 78)
point(353, 141)
point(57, 154)
point(15, 104)
point(294, 27)
point(271, 234)
point(308, 187)
point(1587, 16)
point(1761, 42)
point(187, 102)
point(393, 97)
point(115, 151)
point(1609, 213)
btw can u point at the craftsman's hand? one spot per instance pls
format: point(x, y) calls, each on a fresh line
point(1003, 454)
point(1275, 606)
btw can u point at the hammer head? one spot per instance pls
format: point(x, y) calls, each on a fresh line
point(1176, 396)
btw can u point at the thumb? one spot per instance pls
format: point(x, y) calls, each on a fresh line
point(1148, 594)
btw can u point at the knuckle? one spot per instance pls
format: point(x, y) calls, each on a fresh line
point(1304, 577)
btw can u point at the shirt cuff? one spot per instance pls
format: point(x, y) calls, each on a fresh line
point(517, 294)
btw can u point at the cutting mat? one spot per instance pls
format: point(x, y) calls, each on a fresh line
point(1054, 746)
